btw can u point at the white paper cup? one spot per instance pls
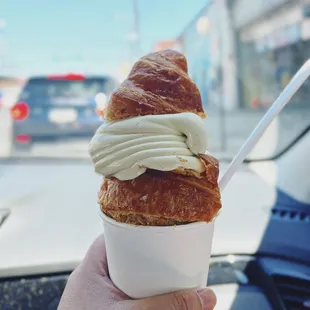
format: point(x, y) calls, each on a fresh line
point(146, 261)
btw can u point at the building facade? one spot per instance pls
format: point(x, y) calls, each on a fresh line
point(242, 53)
point(195, 44)
point(272, 38)
point(208, 43)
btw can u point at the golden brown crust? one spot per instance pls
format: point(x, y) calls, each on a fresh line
point(157, 84)
point(163, 198)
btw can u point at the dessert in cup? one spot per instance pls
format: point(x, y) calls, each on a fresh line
point(160, 193)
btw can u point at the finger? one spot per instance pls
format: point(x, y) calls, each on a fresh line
point(96, 258)
point(203, 299)
point(94, 269)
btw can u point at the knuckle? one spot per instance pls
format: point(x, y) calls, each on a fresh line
point(74, 274)
point(180, 301)
point(213, 301)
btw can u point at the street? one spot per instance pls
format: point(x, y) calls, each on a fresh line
point(237, 126)
point(80, 148)
point(240, 123)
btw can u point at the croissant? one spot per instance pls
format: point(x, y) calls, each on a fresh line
point(159, 84)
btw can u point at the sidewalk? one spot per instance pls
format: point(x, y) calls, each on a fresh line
point(239, 124)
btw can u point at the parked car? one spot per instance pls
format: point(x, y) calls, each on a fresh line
point(58, 107)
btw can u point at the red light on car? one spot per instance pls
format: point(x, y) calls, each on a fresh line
point(100, 112)
point(20, 111)
point(67, 77)
point(23, 138)
point(75, 77)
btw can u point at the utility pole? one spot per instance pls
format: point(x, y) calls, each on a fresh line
point(204, 28)
point(136, 22)
point(136, 34)
point(220, 7)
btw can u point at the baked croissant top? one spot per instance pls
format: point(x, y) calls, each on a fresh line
point(157, 84)
point(152, 149)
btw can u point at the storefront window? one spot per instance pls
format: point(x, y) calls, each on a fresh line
point(255, 72)
point(266, 69)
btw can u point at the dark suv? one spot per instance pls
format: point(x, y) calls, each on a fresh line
point(59, 107)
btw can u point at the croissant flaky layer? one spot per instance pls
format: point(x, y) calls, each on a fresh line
point(157, 84)
point(163, 198)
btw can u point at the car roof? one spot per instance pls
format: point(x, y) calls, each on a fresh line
point(45, 77)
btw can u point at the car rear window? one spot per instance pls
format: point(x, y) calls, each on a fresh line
point(60, 89)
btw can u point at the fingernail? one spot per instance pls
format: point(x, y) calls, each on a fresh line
point(208, 299)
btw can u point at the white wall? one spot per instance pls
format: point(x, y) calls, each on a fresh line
point(288, 15)
point(245, 11)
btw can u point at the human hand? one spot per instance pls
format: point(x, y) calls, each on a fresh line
point(90, 288)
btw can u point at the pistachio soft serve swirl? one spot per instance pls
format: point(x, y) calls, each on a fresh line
point(126, 148)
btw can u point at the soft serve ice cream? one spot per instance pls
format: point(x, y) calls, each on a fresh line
point(152, 148)
point(159, 194)
point(126, 149)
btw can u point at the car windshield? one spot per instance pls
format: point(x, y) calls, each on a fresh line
point(62, 63)
point(240, 62)
point(241, 56)
point(49, 88)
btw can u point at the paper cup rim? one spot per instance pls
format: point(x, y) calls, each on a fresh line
point(127, 226)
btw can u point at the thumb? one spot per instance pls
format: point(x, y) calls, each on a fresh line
point(203, 299)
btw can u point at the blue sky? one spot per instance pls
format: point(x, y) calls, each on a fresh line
point(63, 35)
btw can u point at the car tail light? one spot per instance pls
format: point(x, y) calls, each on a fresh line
point(20, 111)
point(67, 77)
point(23, 138)
point(101, 102)
point(100, 112)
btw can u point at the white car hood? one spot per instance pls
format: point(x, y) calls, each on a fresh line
point(54, 216)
